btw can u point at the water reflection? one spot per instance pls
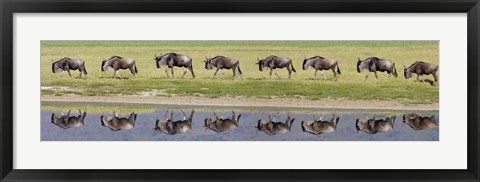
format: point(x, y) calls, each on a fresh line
point(418, 122)
point(220, 125)
point(271, 127)
point(116, 123)
point(256, 125)
point(320, 126)
point(374, 125)
point(66, 121)
point(170, 127)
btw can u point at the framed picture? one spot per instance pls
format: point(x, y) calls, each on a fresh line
point(232, 90)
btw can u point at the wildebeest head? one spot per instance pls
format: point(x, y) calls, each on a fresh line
point(159, 60)
point(303, 64)
point(208, 63)
point(409, 118)
point(262, 63)
point(407, 73)
point(60, 64)
point(104, 67)
point(361, 65)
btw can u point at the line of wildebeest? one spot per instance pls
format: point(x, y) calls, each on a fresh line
point(171, 60)
point(167, 125)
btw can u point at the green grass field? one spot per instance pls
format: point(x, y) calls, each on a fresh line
point(350, 85)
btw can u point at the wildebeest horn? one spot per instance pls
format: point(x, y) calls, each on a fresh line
point(155, 55)
point(404, 67)
point(359, 59)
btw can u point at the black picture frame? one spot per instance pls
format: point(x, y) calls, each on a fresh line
point(9, 7)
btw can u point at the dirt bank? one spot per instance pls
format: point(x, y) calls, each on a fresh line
point(246, 102)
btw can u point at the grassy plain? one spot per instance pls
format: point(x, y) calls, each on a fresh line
point(350, 85)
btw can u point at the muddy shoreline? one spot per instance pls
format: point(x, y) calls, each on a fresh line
point(238, 102)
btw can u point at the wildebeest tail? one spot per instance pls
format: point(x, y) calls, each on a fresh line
point(82, 117)
point(291, 64)
point(394, 70)
point(239, 70)
point(135, 66)
point(338, 69)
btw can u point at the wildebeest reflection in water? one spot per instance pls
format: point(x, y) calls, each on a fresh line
point(67, 121)
point(170, 127)
point(320, 126)
point(116, 123)
point(418, 122)
point(271, 127)
point(374, 125)
point(220, 124)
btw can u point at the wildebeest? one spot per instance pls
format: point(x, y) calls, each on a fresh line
point(418, 122)
point(320, 126)
point(66, 121)
point(222, 62)
point(67, 64)
point(320, 63)
point(421, 68)
point(271, 127)
point(274, 62)
point(374, 64)
point(373, 126)
point(173, 59)
point(170, 127)
point(117, 62)
point(116, 123)
point(220, 124)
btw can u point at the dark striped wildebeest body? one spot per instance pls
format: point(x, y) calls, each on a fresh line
point(320, 63)
point(374, 64)
point(271, 127)
point(172, 60)
point(67, 64)
point(222, 62)
point(421, 68)
point(419, 122)
point(219, 124)
point(274, 62)
point(66, 121)
point(116, 123)
point(373, 126)
point(170, 127)
point(117, 62)
point(320, 126)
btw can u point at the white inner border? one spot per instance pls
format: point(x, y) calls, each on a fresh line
point(449, 153)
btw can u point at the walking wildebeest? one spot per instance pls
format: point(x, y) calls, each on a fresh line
point(67, 121)
point(116, 123)
point(271, 127)
point(174, 59)
point(418, 122)
point(373, 126)
point(67, 64)
point(274, 62)
point(421, 68)
point(320, 63)
point(117, 62)
point(170, 127)
point(220, 124)
point(374, 64)
point(222, 62)
point(320, 126)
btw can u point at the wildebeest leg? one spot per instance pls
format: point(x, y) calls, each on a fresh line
point(271, 70)
point(69, 73)
point(289, 72)
point(132, 70)
point(315, 75)
point(376, 76)
point(173, 76)
point(334, 74)
point(366, 77)
point(324, 77)
point(234, 71)
point(215, 73)
point(117, 75)
point(184, 72)
point(62, 73)
point(276, 73)
point(166, 72)
point(418, 79)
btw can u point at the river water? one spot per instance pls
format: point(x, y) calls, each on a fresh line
point(144, 126)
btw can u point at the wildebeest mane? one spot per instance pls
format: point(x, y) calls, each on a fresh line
point(415, 63)
point(315, 57)
point(115, 56)
point(216, 57)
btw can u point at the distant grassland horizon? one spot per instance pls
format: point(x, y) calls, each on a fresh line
point(350, 85)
